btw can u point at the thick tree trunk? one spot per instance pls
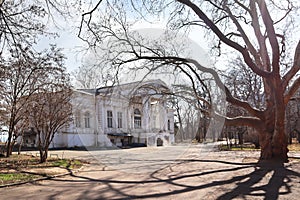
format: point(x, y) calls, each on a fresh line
point(273, 139)
point(274, 145)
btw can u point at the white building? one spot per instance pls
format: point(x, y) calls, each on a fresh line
point(129, 114)
point(3, 134)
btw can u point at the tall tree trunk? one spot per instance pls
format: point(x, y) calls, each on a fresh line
point(8, 145)
point(273, 146)
point(273, 140)
point(280, 140)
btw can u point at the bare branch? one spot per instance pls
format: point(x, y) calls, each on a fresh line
point(295, 68)
point(292, 91)
point(245, 37)
point(243, 121)
point(271, 35)
point(89, 13)
point(224, 39)
point(261, 39)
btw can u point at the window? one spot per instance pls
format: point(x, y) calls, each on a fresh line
point(77, 120)
point(87, 120)
point(137, 118)
point(119, 119)
point(109, 119)
point(169, 125)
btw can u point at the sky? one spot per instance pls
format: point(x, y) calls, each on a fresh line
point(73, 47)
point(68, 41)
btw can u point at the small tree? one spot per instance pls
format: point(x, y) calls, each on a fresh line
point(22, 78)
point(50, 110)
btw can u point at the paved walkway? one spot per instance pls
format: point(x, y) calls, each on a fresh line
point(177, 172)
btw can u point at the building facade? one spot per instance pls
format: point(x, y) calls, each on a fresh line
point(124, 115)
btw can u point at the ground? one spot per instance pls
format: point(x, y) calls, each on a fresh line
point(176, 172)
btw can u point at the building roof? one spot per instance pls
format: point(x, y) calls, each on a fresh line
point(128, 88)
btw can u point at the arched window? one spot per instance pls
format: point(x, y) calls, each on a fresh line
point(87, 120)
point(137, 118)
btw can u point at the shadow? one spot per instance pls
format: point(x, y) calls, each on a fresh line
point(279, 182)
point(196, 178)
point(245, 180)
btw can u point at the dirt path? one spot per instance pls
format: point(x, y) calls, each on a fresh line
point(178, 172)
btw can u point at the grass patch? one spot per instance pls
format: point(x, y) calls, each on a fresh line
point(6, 178)
point(68, 164)
point(20, 168)
point(244, 147)
point(249, 147)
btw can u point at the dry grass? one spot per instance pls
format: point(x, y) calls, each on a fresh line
point(294, 147)
point(20, 168)
point(291, 147)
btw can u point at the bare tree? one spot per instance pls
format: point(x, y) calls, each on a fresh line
point(247, 86)
point(22, 78)
point(263, 39)
point(20, 23)
point(91, 76)
point(293, 118)
point(192, 106)
point(49, 111)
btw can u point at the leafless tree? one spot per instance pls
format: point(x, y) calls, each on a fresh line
point(262, 38)
point(247, 86)
point(22, 78)
point(48, 111)
point(195, 112)
point(91, 76)
point(20, 23)
point(293, 118)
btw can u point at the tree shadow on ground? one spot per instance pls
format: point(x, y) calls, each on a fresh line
point(279, 182)
point(246, 180)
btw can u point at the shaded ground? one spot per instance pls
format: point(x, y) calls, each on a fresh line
point(197, 172)
point(23, 168)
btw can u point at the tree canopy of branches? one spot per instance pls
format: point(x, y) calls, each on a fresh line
point(24, 77)
point(23, 69)
point(49, 110)
point(91, 76)
point(263, 39)
point(22, 22)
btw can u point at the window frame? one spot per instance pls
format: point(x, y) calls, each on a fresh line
point(87, 119)
point(137, 119)
point(109, 117)
point(120, 119)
